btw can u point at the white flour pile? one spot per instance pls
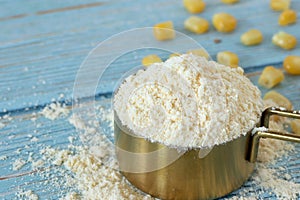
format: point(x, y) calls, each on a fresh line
point(188, 102)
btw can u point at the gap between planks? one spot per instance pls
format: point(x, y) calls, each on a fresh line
point(44, 12)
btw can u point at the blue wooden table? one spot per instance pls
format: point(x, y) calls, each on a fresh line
point(44, 43)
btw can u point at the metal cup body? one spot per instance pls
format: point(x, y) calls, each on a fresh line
point(223, 170)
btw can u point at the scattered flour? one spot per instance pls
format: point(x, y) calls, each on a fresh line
point(3, 157)
point(257, 129)
point(77, 122)
point(242, 198)
point(4, 120)
point(192, 96)
point(55, 110)
point(7, 117)
point(34, 139)
point(284, 189)
point(71, 196)
point(18, 164)
point(60, 157)
point(97, 181)
point(37, 164)
point(2, 125)
point(107, 116)
point(271, 149)
point(28, 195)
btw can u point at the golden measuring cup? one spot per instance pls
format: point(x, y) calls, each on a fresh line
point(224, 169)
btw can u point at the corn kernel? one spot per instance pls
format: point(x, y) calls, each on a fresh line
point(228, 58)
point(279, 99)
point(279, 5)
point(291, 64)
point(164, 31)
point(194, 6)
point(196, 24)
point(270, 77)
point(295, 126)
point(229, 1)
point(199, 52)
point(284, 40)
point(252, 37)
point(150, 59)
point(224, 22)
point(287, 17)
point(174, 55)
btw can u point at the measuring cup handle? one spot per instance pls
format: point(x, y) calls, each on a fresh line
point(265, 118)
point(254, 143)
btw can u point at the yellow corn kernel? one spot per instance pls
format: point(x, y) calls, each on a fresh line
point(229, 1)
point(199, 52)
point(291, 64)
point(279, 5)
point(194, 6)
point(252, 37)
point(284, 40)
point(270, 77)
point(228, 58)
point(224, 22)
point(150, 59)
point(295, 126)
point(279, 99)
point(164, 31)
point(174, 55)
point(287, 17)
point(196, 24)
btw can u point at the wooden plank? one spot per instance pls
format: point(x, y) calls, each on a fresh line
point(52, 49)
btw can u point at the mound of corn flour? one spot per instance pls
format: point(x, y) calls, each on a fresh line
point(188, 102)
